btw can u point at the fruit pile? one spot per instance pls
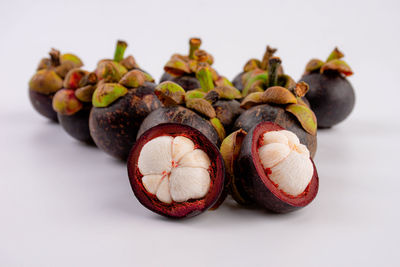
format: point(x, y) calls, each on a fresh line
point(196, 138)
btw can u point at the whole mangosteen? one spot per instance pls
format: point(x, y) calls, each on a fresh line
point(331, 95)
point(73, 103)
point(176, 171)
point(270, 167)
point(121, 101)
point(49, 79)
point(278, 99)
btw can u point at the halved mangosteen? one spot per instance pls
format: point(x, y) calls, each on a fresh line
point(176, 171)
point(273, 169)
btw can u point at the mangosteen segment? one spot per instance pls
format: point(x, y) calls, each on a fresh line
point(175, 170)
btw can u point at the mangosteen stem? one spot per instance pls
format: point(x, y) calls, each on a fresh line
point(120, 50)
point(194, 44)
point(269, 52)
point(335, 54)
point(55, 57)
point(273, 67)
point(204, 76)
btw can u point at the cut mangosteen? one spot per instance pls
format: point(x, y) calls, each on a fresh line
point(331, 95)
point(283, 105)
point(176, 171)
point(274, 170)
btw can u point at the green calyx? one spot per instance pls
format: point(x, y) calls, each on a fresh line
point(129, 63)
point(133, 79)
point(107, 93)
point(201, 106)
point(230, 149)
point(120, 50)
point(110, 71)
point(194, 94)
point(179, 65)
point(216, 123)
point(75, 60)
point(45, 81)
point(305, 116)
point(66, 103)
point(170, 93)
point(291, 102)
point(85, 93)
point(253, 80)
point(205, 78)
point(333, 63)
point(73, 78)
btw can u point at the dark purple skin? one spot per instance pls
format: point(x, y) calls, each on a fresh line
point(188, 82)
point(77, 125)
point(227, 112)
point(114, 128)
point(43, 104)
point(180, 115)
point(276, 114)
point(331, 97)
point(253, 182)
point(237, 81)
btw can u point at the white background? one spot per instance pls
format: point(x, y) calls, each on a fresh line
point(66, 204)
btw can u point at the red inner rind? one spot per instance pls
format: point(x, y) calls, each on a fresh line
point(177, 209)
point(301, 200)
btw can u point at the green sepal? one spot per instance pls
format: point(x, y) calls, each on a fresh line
point(205, 78)
point(216, 123)
point(107, 93)
point(201, 106)
point(66, 103)
point(337, 65)
point(194, 94)
point(228, 92)
point(170, 93)
point(254, 76)
point(305, 116)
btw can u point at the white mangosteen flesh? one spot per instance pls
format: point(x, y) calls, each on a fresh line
point(288, 161)
point(173, 170)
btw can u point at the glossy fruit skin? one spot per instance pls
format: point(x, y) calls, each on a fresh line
point(188, 208)
point(278, 115)
point(180, 115)
point(114, 128)
point(227, 112)
point(77, 125)
point(331, 97)
point(252, 179)
point(188, 82)
point(237, 81)
point(43, 104)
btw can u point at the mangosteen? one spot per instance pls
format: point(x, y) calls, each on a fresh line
point(73, 103)
point(282, 103)
point(121, 101)
point(176, 171)
point(49, 79)
point(254, 67)
point(270, 167)
point(331, 95)
point(194, 108)
point(181, 69)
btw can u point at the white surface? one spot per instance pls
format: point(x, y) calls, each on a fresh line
point(66, 204)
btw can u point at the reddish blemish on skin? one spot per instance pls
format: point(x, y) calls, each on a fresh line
point(174, 164)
